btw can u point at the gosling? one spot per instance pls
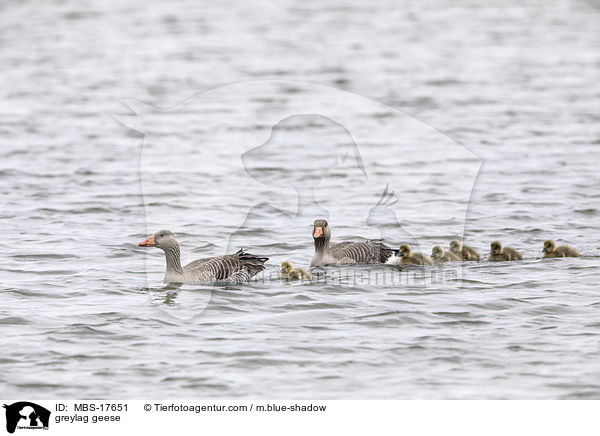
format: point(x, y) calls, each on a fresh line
point(551, 250)
point(290, 273)
point(408, 258)
point(464, 252)
point(499, 253)
point(438, 255)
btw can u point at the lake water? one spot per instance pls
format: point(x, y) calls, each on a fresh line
point(237, 124)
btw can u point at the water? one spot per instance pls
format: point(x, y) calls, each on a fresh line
point(498, 139)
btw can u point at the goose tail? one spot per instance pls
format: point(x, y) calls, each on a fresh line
point(251, 262)
point(385, 252)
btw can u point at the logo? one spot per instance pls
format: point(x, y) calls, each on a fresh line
point(26, 415)
point(275, 155)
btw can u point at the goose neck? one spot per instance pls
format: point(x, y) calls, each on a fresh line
point(173, 257)
point(322, 246)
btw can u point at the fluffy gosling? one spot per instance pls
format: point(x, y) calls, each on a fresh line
point(499, 253)
point(290, 273)
point(438, 255)
point(551, 250)
point(407, 257)
point(463, 251)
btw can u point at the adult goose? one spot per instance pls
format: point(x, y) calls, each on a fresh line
point(238, 267)
point(345, 253)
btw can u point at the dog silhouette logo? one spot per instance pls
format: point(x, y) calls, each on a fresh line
point(26, 415)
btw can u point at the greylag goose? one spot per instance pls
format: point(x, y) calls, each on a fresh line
point(288, 272)
point(407, 257)
point(438, 255)
point(466, 253)
point(238, 267)
point(499, 253)
point(345, 253)
point(551, 250)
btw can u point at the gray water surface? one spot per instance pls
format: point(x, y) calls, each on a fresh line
point(497, 137)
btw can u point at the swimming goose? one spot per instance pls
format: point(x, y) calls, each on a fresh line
point(238, 267)
point(551, 250)
point(290, 273)
point(466, 253)
point(438, 255)
point(345, 253)
point(407, 257)
point(499, 253)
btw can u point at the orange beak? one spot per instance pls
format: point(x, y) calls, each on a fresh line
point(148, 242)
point(318, 232)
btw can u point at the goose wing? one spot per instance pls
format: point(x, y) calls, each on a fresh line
point(241, 266)
point(361, 252)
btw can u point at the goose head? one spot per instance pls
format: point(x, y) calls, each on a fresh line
point(549, 246)
point(321, 230)
point(455, 246)
point(286, 267)
point(437, 252)
point(496, 247)
point(405, 250)
point(162, 239)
